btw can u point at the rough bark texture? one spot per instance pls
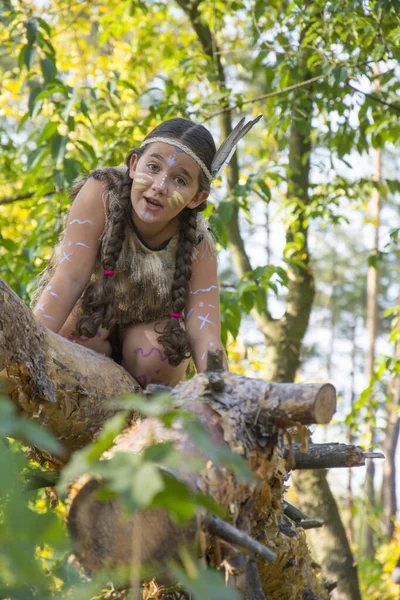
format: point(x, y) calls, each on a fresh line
point(328, 456)
point(330, 541)
point(68, 388)
point(236, 418)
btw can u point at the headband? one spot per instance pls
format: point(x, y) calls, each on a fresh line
point(223, 154)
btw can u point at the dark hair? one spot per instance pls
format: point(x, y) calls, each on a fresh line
point(98, 299)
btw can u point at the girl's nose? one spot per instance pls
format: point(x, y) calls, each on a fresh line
point(160, 182)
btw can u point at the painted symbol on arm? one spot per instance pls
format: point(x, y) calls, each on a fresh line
point(82, 222)
point(81, 244)
point(205, 320)
point(201, 304)
point(66, 257)
point(189, 313)
point(212, 287)
point(52, 293)
point(41, 307)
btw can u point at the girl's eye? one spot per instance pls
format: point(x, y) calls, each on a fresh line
point(180, 181)
point(152, 167)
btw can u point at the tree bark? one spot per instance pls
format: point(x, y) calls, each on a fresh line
point(388, 493)
point(62, 385)
point(372, 326)
point(240, 421)
point(330, 541)
point(330, 455)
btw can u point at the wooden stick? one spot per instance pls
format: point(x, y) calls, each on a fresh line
point(310, 524)
point(331, 455)
point(231, 534)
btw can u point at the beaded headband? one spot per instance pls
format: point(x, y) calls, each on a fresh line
point(223, 154)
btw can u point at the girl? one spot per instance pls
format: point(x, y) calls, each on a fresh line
point(135, 273)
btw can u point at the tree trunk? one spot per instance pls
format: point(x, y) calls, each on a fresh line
point(372, 325)
point(330, 541)
point(388, 494)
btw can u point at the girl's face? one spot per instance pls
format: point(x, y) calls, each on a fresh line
point(165, 181)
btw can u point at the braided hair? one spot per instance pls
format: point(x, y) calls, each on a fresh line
point(98, 299)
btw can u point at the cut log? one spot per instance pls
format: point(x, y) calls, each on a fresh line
point(330, 455)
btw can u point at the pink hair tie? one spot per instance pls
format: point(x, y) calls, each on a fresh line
point(108, 273)
point(175, 315)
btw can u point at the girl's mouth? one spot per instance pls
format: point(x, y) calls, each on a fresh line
point(152, 204)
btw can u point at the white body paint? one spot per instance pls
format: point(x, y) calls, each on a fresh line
point(81, 222)
point(212, 287)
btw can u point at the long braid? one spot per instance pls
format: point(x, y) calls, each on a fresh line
point(98, 298)
point(174, 338)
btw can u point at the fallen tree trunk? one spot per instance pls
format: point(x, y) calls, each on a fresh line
point(71, 389)
point(330, 455)
point(64, 386)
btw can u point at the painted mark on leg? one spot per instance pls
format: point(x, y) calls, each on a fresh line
point(154, 349)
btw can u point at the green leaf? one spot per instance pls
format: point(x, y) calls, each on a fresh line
point(29, 56)
point(146, 483)
point(31, 31)
point(47, 131)
point(105, 440)
point(58, 145)
point(71, 170)
point(48, 69)
point(225, 210)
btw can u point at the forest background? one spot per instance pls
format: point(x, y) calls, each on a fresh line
point(306, 215)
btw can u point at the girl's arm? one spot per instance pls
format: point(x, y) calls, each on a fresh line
point(202, 310)
point(85, 225)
